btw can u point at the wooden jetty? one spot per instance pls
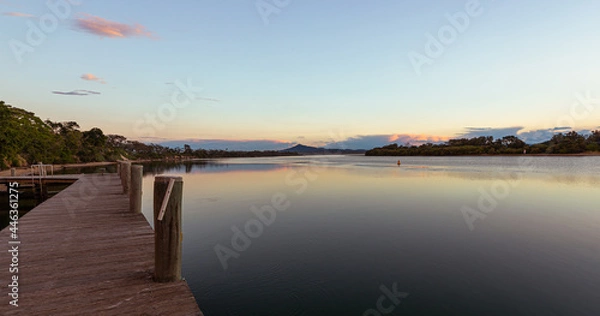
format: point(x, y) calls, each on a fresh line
point(38, 184)
point(83, 252)
point(60, 179)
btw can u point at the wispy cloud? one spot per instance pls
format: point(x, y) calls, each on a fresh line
point(198, 97)
point(417, 138)
point(18, 14)
point(91, 77)
point(538, 135)
point(372, 141)
point(106, 28)
point(542, 135)
point(528, 136)
point(77, 92)
point(208, 99)
point(471, 132)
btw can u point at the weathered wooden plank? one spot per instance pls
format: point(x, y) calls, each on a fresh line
point(93, 259)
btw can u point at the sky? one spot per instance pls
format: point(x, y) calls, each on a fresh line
point(268, 74)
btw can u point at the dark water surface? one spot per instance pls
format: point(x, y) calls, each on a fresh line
point(359, 227)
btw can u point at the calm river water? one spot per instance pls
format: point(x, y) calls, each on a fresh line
point(355, 235)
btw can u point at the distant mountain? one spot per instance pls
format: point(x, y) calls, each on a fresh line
point(309, 150)
point(305, 150)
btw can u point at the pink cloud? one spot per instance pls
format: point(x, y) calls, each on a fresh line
point(18, 14)
point(102, 27)
point(91, 77)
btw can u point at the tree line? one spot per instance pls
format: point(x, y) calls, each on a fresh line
point(568, 143)
point(25, 139)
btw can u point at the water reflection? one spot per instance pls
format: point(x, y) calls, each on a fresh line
point(354, 224)
point(205, 166)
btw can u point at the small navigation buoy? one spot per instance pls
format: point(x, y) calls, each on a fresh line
point(399, 163)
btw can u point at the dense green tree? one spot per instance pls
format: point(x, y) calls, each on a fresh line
point(569, 143)
point(512, 142)
point(24, 138)
point(70, 140)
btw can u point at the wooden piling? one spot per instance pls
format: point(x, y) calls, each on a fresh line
point(13, 172)
point(135, 192)
point(126, 176)
point(167, 231)
point(43, 191)
point(119, 173)
point(121, 168)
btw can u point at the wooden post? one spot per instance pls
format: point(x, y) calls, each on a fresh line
point(167, 232)
point(13, 172)
point(126, 171)
point(135, 193)
point(119, 168)
point(44, 191)
point(121, 172)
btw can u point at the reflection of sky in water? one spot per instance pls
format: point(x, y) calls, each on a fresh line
point(356, 223)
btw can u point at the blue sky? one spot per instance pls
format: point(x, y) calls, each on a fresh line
point(309, 72)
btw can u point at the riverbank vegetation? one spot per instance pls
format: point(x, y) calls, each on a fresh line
point(569, 143)
point(26, 139)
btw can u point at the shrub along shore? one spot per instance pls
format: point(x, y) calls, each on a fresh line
point(25, 139)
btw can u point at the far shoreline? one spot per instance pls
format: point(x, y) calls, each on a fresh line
point(588, 154)
point(26, 170)
point(503, 155)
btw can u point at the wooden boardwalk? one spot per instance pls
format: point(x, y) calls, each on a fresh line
point(83, 253)
point(29, 180)
point(36, 177)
